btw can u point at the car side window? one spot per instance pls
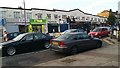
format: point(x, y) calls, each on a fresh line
point(43, 36)
point(85, 36)
point(103, 29)
point(28, 37)
point(79, 37)
point(39, 36)
point(15, 34)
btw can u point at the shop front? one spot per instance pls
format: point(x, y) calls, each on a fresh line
point(38, 25)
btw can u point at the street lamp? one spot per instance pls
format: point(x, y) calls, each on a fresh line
point(25, 16)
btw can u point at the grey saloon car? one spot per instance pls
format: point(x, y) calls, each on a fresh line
point(73, 43)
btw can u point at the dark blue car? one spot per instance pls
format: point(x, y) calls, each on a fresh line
point(24, 42)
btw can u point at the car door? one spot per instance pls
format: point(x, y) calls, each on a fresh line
point(88, 42)
point(40, 40)
point(103, 32)
point(27, 42)
point(106, 31)
point(81, 42)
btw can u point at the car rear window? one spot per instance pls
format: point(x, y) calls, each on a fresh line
point(97, 30)
point(64, 36)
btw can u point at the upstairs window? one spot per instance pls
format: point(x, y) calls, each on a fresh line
point(49, 16)
point(39, 15)
point(16, 14)
point(29, 15)
point(64, 16)
point(55, 16)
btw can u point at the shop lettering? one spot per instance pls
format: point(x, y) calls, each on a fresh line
point(38, 21)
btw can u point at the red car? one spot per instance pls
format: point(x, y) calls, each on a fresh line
point(99, 32)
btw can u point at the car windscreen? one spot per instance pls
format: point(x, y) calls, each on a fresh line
point(97, 30)
point(67, 31)
point(64, 36)
point(19, 37)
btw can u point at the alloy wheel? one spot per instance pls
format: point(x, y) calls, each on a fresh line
point(11, 51)
point(47, 45)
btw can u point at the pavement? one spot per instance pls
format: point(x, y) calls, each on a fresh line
point(0, 39)
point(105, 56)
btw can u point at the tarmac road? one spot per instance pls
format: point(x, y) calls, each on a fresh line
point(43, 56)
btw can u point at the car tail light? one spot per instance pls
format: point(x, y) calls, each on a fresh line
point(62, 43)
point(51, 41)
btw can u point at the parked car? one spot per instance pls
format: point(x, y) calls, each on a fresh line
point(24, 42)
point(99, 32)
point(13, 35)
point(72, 43)
point(72, 30)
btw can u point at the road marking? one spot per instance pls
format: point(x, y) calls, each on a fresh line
point(107, 41)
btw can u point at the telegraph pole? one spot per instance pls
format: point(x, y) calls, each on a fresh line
point(25, 16)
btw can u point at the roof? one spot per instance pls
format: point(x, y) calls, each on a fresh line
point(20, 8)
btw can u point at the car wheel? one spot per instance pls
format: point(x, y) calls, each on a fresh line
point(47, 45)
point(11, 51)
point(99, 44)
point(74, 50)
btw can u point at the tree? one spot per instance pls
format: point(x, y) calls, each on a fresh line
point(111, 19)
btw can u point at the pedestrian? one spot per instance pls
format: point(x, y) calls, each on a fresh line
point(5, 36)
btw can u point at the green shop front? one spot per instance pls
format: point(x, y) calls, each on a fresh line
point(37, 25)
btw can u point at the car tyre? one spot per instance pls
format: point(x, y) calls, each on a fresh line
point(74, 50)
point(47, 45)
point(11, 51)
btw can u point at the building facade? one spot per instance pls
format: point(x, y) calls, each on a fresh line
point(55, 19)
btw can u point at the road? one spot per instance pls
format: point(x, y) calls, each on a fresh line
point(42, 56)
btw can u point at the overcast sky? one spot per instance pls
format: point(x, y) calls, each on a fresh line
point(87, 6)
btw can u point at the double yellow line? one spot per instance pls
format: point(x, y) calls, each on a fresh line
point(105, 40)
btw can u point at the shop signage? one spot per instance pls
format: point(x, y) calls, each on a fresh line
point(38, 21)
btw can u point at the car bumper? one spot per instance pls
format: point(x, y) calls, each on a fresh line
point(59, 49)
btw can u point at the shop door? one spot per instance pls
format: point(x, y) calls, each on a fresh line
point(63, 27)
point(51, 28)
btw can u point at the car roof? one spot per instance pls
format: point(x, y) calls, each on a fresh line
point(32, 33)
point(104, 27)
point(77, 33)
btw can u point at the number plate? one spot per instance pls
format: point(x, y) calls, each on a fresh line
point(55, 43)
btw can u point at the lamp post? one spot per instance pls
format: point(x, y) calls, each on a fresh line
point(25, 16)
